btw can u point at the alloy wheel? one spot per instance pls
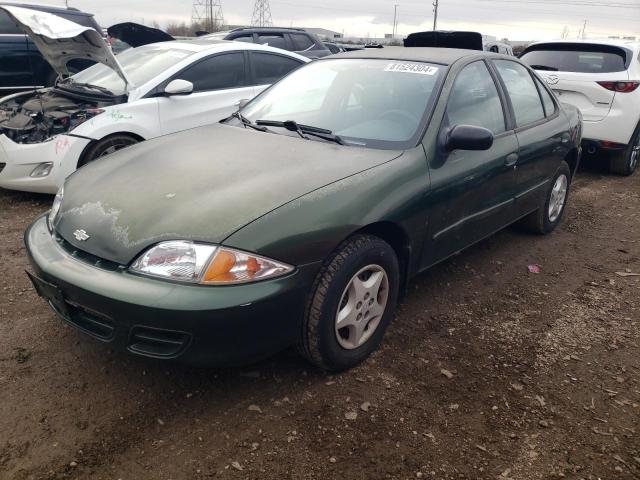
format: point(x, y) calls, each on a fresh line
point(558, 197)
point(362, 306)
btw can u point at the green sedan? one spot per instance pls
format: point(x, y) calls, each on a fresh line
point(301, 219)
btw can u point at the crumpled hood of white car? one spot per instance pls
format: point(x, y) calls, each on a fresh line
point(60, 40)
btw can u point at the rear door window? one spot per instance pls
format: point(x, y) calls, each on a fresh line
point(7, 25)
point(301, 42)
point(524, 95)
point(474, 100)
point(216, 73)
point(275, 40)
point(577, 58)
point(269, 68)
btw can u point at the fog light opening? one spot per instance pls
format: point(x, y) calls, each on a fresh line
point(42, 170)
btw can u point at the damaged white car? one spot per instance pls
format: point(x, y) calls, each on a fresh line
point(146, 92)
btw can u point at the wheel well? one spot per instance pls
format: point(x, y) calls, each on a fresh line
point(395, 236)
point(572, 159)
point(89, 145)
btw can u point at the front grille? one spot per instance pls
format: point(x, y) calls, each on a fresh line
point(87, 257)
point(2, 165)
point(154, 342)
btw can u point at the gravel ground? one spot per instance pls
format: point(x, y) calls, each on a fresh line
point(488, 372)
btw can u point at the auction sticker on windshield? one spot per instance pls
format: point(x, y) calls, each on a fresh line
point(419, 68)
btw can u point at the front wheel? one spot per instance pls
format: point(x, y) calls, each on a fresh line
point(351, 305)
point(548, 216)
point(107, 146)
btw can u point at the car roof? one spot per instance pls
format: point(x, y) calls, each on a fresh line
point(267, 29)
point(443, 56)
point(48, 8)
point(200, 45)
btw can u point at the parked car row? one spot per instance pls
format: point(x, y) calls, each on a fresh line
point(297, 219)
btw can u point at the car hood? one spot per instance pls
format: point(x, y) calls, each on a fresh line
point(202, 185)
point(137, 35)
point(60, 40)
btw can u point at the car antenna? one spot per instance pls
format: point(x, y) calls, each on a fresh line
point(33, 74)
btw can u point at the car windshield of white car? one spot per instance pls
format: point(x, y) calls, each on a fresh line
point(140, 64)
point(368, 102)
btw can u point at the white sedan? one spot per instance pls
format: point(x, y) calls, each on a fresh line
point(146, 92)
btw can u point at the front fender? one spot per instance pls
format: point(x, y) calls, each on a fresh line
point(308, 229)
point(140, 118)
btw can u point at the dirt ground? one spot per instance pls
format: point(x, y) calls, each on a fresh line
point(488, 372)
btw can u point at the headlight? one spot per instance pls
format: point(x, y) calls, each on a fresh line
point(55, 208)
point(187, 261)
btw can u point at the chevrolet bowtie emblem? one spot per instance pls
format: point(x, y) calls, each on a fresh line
point(81, 235)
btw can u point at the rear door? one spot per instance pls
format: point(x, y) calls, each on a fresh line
point(541, 129)
point(573, 71)
point(220, 82)
point(472, 191)
point(267, 68)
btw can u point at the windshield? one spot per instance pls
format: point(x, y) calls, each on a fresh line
point(375, 103)
point(140, 64)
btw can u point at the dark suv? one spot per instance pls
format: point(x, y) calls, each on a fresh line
point(21, 64)
point(291, 39)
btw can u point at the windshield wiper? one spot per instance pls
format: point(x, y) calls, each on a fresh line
point(71, 83)
point(248, 123)
point(304, 130)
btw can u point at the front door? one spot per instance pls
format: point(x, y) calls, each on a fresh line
point(472, 192)
point(219, 85)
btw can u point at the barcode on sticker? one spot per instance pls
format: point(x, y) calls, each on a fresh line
point(411, 68)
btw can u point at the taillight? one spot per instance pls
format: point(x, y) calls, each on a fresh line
point(620, 87)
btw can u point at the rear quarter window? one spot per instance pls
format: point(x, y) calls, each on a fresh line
point(577, 58)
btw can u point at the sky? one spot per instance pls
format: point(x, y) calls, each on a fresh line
point(513, 19)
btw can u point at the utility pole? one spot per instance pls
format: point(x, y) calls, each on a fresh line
point(435, 15)
point(395, 20)
point(584, 29)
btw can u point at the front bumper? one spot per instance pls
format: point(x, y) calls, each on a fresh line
point(20, 159)
point(198, 325)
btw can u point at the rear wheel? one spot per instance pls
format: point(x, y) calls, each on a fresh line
point(351, 304)
point(107, 146)
point(625, 163)
point(548, 216)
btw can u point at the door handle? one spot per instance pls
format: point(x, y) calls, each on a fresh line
point(511, 160)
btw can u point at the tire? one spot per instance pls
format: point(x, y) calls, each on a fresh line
point(359, 259)
point(543, 220)
point(626, 162)
point(107, 146)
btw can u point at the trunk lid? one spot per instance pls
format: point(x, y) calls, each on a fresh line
point(201, 184)
point(593, 100)
point(60, 40)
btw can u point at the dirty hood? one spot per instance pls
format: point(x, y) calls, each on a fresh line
point(137, 35)
point(60, 40)
point(201, 184)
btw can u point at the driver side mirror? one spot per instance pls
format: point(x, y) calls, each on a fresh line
point(178, 87)
point(468, 137)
